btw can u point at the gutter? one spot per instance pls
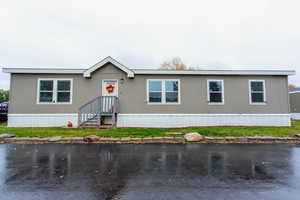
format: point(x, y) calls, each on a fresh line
point(153, 72)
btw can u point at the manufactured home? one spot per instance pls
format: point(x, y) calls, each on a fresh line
point(295, 103)
point(112, 93)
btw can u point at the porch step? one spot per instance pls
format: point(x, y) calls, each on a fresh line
point(98, 108)
point(105, 126)
point(96, 126)
point(90, 124)
point(92, 121)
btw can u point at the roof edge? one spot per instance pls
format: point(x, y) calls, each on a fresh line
point(132, 72)
point(42, 71)
point(217, 72)
point(296, 90)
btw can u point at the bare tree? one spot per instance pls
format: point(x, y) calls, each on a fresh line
point(175, 64)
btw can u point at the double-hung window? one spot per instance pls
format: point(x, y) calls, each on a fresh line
point(257, 91)
point(165, 91)
point(63, 91)
point(215, 91)
point(171, 88)
point(46, 91)
point(155, 91)
point(53, 91)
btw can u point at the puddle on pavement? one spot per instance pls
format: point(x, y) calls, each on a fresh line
point(149, 171)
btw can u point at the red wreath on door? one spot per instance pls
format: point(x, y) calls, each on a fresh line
point(110, 89)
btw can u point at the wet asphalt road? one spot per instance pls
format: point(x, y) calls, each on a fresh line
point(149, 171)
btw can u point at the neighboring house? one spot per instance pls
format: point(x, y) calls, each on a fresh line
point(109, 92)
point(295, 103)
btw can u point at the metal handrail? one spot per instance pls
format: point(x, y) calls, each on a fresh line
point(88, 102)
point(101, 105)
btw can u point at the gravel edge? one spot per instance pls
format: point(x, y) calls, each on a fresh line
point(217, 140)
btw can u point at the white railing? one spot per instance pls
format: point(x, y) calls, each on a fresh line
point(102, 105)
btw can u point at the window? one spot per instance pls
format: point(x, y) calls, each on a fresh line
point(63, 90)
point(46, 90)
point(171, 91)
point(54, 91)
point(257, 92)
point(163, 91)
point(155, 91)
point(215, 94)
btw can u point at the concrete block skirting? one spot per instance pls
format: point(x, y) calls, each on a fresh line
point(156, 120)
point(190, 120)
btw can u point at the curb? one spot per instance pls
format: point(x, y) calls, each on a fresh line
point(153, 140)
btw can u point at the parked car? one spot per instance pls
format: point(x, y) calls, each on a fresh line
point(3, 111)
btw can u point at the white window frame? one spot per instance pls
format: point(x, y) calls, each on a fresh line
point(208, 92)
point(54, 97)
point(250, 93)
point(163, 91)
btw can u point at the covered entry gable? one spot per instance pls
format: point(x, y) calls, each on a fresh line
point(88, 72)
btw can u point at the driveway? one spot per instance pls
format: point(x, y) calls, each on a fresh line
point(149, 171)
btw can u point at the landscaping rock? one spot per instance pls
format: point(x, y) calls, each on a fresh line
point(179, 139)
point(193, 137)
point(296, 135)
point(125, 139)
point(173, 133)
point(72, 139)
point(55, 139)
point(147, 139)
point(91, 138)
point(7, 135)
point(111, 139)
point(136, 139)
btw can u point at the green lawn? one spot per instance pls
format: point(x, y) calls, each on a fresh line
point(148, 132)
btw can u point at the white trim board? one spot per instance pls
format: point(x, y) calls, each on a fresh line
point(42, 120)
point(194, 120)
point(216, 72)
point(206, 114)
point(150, 71)
point(43, 70)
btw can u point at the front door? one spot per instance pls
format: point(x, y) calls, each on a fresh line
point(110, 88)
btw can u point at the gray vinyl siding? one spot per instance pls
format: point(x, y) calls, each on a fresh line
point(133, 93)
point(295, 102)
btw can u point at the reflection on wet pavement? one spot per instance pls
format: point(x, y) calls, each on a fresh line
point(149, 171)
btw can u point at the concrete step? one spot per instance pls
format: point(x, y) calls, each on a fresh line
point(93, 122)
point(90, 124)
point(96, 126)
point(90, 127)
point(105, 126)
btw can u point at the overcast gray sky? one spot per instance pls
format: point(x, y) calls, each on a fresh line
point(138, 33)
